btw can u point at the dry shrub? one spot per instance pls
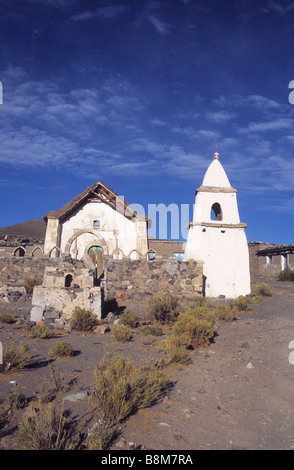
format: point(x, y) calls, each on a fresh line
point(226, 312)
point(262, 290)
point(242, 303)
point(47, 429)
point(152, 330)
point(15, 356)
point(83, 320)
point(286, 275)
point(99, 437)
point(121, 388)
point(122, 333)
point(128, 319)
point(176, 351)
point(42, 332)
point(195, 327)
point(7, 318)
point(31, 282)
point(165, 308)
point(61, 349)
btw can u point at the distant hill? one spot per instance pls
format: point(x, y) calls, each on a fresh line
point(31, 229)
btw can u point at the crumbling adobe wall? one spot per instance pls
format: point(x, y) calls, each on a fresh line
point(136, 279)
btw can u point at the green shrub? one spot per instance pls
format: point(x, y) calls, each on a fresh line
point(121, 388)
point(31, 282)
point(165, 308)
point(61, 349)
point(195, 327)
point(122, 333)
point(128, 319)
point(176, 351)
point(83, 320)
point(47, 429)
point(262, 289)
point(15, 357)
point(152, 330)
point(7, 318)
point(286, 275)
point(42, 332)
point(226, 312)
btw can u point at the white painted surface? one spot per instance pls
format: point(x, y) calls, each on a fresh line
point(223, 249)
point(116, 232)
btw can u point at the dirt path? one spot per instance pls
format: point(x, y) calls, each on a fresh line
point(236, 394)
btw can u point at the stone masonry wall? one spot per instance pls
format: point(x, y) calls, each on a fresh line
point(136, 279)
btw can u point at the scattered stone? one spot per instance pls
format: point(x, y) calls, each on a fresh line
point(101, 329)
point(260, 411)
point(76, 396)
point(250, 365)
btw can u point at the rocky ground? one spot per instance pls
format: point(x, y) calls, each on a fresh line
point(236, 394)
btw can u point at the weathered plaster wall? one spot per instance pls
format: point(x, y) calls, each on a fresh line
point(77, 233)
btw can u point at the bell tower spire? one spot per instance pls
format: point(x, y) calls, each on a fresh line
point(217, 237)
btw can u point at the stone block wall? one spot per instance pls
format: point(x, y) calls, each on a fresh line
point(136, 279)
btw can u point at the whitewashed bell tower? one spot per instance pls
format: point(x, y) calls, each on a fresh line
point(217, 237)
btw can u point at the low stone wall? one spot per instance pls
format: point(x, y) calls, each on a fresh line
point(136, 279)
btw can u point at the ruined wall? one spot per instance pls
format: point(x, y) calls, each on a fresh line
point(138, 279)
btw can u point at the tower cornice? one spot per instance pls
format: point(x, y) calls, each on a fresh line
point(215, 189)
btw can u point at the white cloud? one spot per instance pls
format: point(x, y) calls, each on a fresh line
point(111, 11)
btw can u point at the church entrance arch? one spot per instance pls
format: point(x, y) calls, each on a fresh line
point(96, 254)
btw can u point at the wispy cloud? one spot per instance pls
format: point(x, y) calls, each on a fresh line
point(160, 26)
point(111, 11)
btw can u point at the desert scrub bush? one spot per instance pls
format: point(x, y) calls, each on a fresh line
point(165, 308)
point(286, 275)
point(42, 332)
point(195, 327)
point(15, 356)
point(16, 401)
point(31, 282)
point(176, 351)
point(121, 388)
point(152, 330)
point(61, 349)
point(242, 303)
point(262, 290)
point(47, 429)
point(199, 301)
point(226, 312)
point(83, 320)
point(128, 319)
point(7, 318)
point(99, 437)
point(122, 333)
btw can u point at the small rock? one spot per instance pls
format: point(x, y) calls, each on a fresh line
point(75, 396)
point(101, 329)
point(249, 365)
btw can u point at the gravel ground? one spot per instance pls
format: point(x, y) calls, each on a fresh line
point(236, 394)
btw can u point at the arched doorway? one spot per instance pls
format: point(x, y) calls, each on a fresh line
point(96, 255)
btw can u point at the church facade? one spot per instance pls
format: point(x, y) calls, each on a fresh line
point(96, 221)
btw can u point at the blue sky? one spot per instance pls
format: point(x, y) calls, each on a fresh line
point(137, 93)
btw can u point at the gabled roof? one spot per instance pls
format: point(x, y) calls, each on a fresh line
point(101, 192)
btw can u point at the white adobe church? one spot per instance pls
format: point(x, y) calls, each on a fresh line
point(217, 237)
point(99, 223)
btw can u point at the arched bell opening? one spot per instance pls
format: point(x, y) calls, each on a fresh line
point(216, 212)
